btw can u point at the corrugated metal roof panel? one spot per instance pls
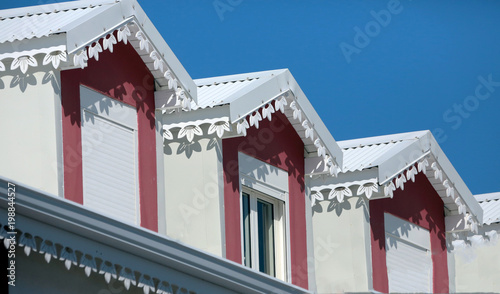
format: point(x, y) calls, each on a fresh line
point(490, 203)
point(250, 91)
point(81, 22)
point(218, 93)
point(358, 158)
point(363, 153)
point(219, 90)
point(39, 25)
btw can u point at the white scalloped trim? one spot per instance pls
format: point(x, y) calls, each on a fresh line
point(193, 128)
point(339, 191)
point(85, 261)
point(26, 59)
point(58, 54)
point(342, 190)
point(220, 126)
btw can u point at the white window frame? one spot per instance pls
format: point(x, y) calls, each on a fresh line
point(123, 115)
point(278, 227)
point(273, 189)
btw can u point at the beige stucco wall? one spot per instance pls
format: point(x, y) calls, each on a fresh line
point(477, 262)
point(30, 128)
point(194, 193)
point(341, 246)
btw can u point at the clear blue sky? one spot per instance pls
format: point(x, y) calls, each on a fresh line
point(417, 70)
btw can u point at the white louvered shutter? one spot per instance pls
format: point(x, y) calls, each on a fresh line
point(109, 156)
point(408, 256)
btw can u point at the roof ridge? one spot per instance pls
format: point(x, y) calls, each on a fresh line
point(377, 140)
point(227, 82)
point(372, 144)
point(52, 8)
point(487, 197)
point(236, 77)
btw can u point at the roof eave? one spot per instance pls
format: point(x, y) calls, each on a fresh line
point(400, 158)
point(79, 35)
point(280, 81)
point(454, 177)
point(87, 29)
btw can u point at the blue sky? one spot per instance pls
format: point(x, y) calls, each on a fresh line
point(368, 67)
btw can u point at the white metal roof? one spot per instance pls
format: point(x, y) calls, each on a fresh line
point(389, 161)
point(364, 153)
point(72, 26)
point(42, 21)
point(491, 207)
point(246, 93)
point(221, 90)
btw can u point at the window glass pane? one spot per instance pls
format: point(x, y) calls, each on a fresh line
point(266, 236)
point(247, 256)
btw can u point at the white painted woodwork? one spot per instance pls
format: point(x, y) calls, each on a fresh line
point(270, 182)
point(263, 177)
point(109, 156)
point(408, 256)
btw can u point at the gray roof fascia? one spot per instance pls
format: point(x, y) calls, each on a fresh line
point(137, 241)
point(400, 157)
point(132, 7)
point(455, 178)
point(91, 27)
point(331, 145)
point(248, 99)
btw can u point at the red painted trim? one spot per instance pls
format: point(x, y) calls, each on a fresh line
point(123, 76)
point(419, 204)
point(278, 144)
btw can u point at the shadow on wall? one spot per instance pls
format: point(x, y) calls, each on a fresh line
point(418, 203)
point(274, 142)
point(189, 148)
point(130, 82)
point(22, 80)
point(339, 208)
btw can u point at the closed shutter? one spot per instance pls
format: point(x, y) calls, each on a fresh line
point(109, 156)
point(408, 256)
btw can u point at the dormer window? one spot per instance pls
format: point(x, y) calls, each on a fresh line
point(263, 217)
point(263, 232)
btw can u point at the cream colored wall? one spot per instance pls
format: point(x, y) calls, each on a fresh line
point(341, 246)
point(30, 128)
point(477, 262)
point(194, 193)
